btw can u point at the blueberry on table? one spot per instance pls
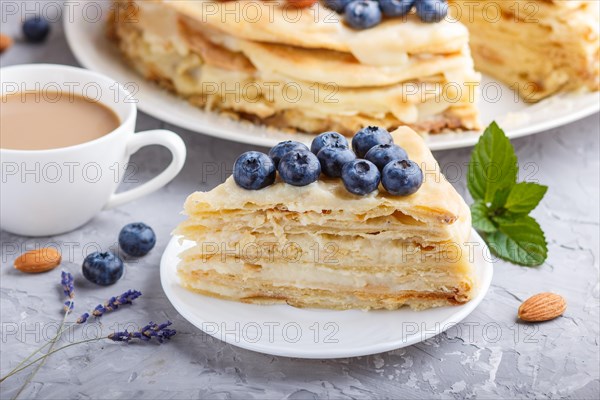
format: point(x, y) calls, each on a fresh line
point(328, 139)
point(281, 149)
point(362, 14)
point(382, 154)
point(337, 5)
point(402, 178)
point(137, 239)
point(102, 268)
point(299, 168)
point(432, 10)
point(369, 137)
point(36, 29)
point(396, 8)
point(333, 158)
point(360, 177)
point(254, 170)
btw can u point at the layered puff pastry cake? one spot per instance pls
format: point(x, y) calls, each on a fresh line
point(302, 69)
point(537, 47)
point(319, 245)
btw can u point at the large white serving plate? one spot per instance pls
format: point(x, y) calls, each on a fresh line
point(87, 39)
point(315, 333)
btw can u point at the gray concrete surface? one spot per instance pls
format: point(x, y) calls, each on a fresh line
point(489, 355)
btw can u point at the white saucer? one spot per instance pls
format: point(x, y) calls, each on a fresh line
point(87, 39)
point(283, 330)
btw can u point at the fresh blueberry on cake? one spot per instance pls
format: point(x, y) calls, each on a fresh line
point(277, 152)
point(328, 139)
point(299, 168)
point(333, 158)
point(362, 14)
point(402, 177)
point(382, 154)
point(254, 170)
point(369, 137)
point(389, 250)
point(361, 177)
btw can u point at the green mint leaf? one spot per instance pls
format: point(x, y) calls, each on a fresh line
point(524, 197)
point(499, 199)
point(493, 165)
point(481, 219)
point(521, 242)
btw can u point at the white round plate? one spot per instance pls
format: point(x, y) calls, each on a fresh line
point(88, 42)
point(288, 331)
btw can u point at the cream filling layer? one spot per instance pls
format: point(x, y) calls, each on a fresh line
point(317, 277)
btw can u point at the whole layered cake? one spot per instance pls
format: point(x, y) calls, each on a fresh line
point(311, 66)
point(334, 229)
point(303, 68)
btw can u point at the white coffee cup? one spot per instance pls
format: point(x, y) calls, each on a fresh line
point(48, 192)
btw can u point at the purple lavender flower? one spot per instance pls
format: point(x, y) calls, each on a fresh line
point(68, 306)
point(83, 318)
point(66, 281)
point(152, 330)
point(114, 302)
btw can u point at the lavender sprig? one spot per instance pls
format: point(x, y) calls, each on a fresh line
point(68, 286)
point(152, 330)
point(112, 304)
point(158, 331)
point(66, 281)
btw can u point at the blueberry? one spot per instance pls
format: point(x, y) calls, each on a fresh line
point(396, 8)
point(102, 268)
point(432, 10)
point(333, 158)
point(277, 152)
point(299, 168)
point(36, 29)
point(254, 170)
point(337, 5)
point(360, 177)
point(370, 137)
point(137, 239)
point(402, 178)
point(328, 139)
point(382, 154)
point(362, 14)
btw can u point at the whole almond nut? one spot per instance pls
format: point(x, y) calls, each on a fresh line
point(40, 260)
point(5, 42)
point(542, 307)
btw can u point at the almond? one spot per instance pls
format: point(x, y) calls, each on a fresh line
point(40, 260)
point(542, 307)
point(5, 42)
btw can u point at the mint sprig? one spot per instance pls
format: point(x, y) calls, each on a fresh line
point(502, 206)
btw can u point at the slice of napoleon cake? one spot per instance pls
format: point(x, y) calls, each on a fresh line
point(289, 228)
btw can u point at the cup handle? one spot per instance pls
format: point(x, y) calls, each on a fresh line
point(159, 137)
